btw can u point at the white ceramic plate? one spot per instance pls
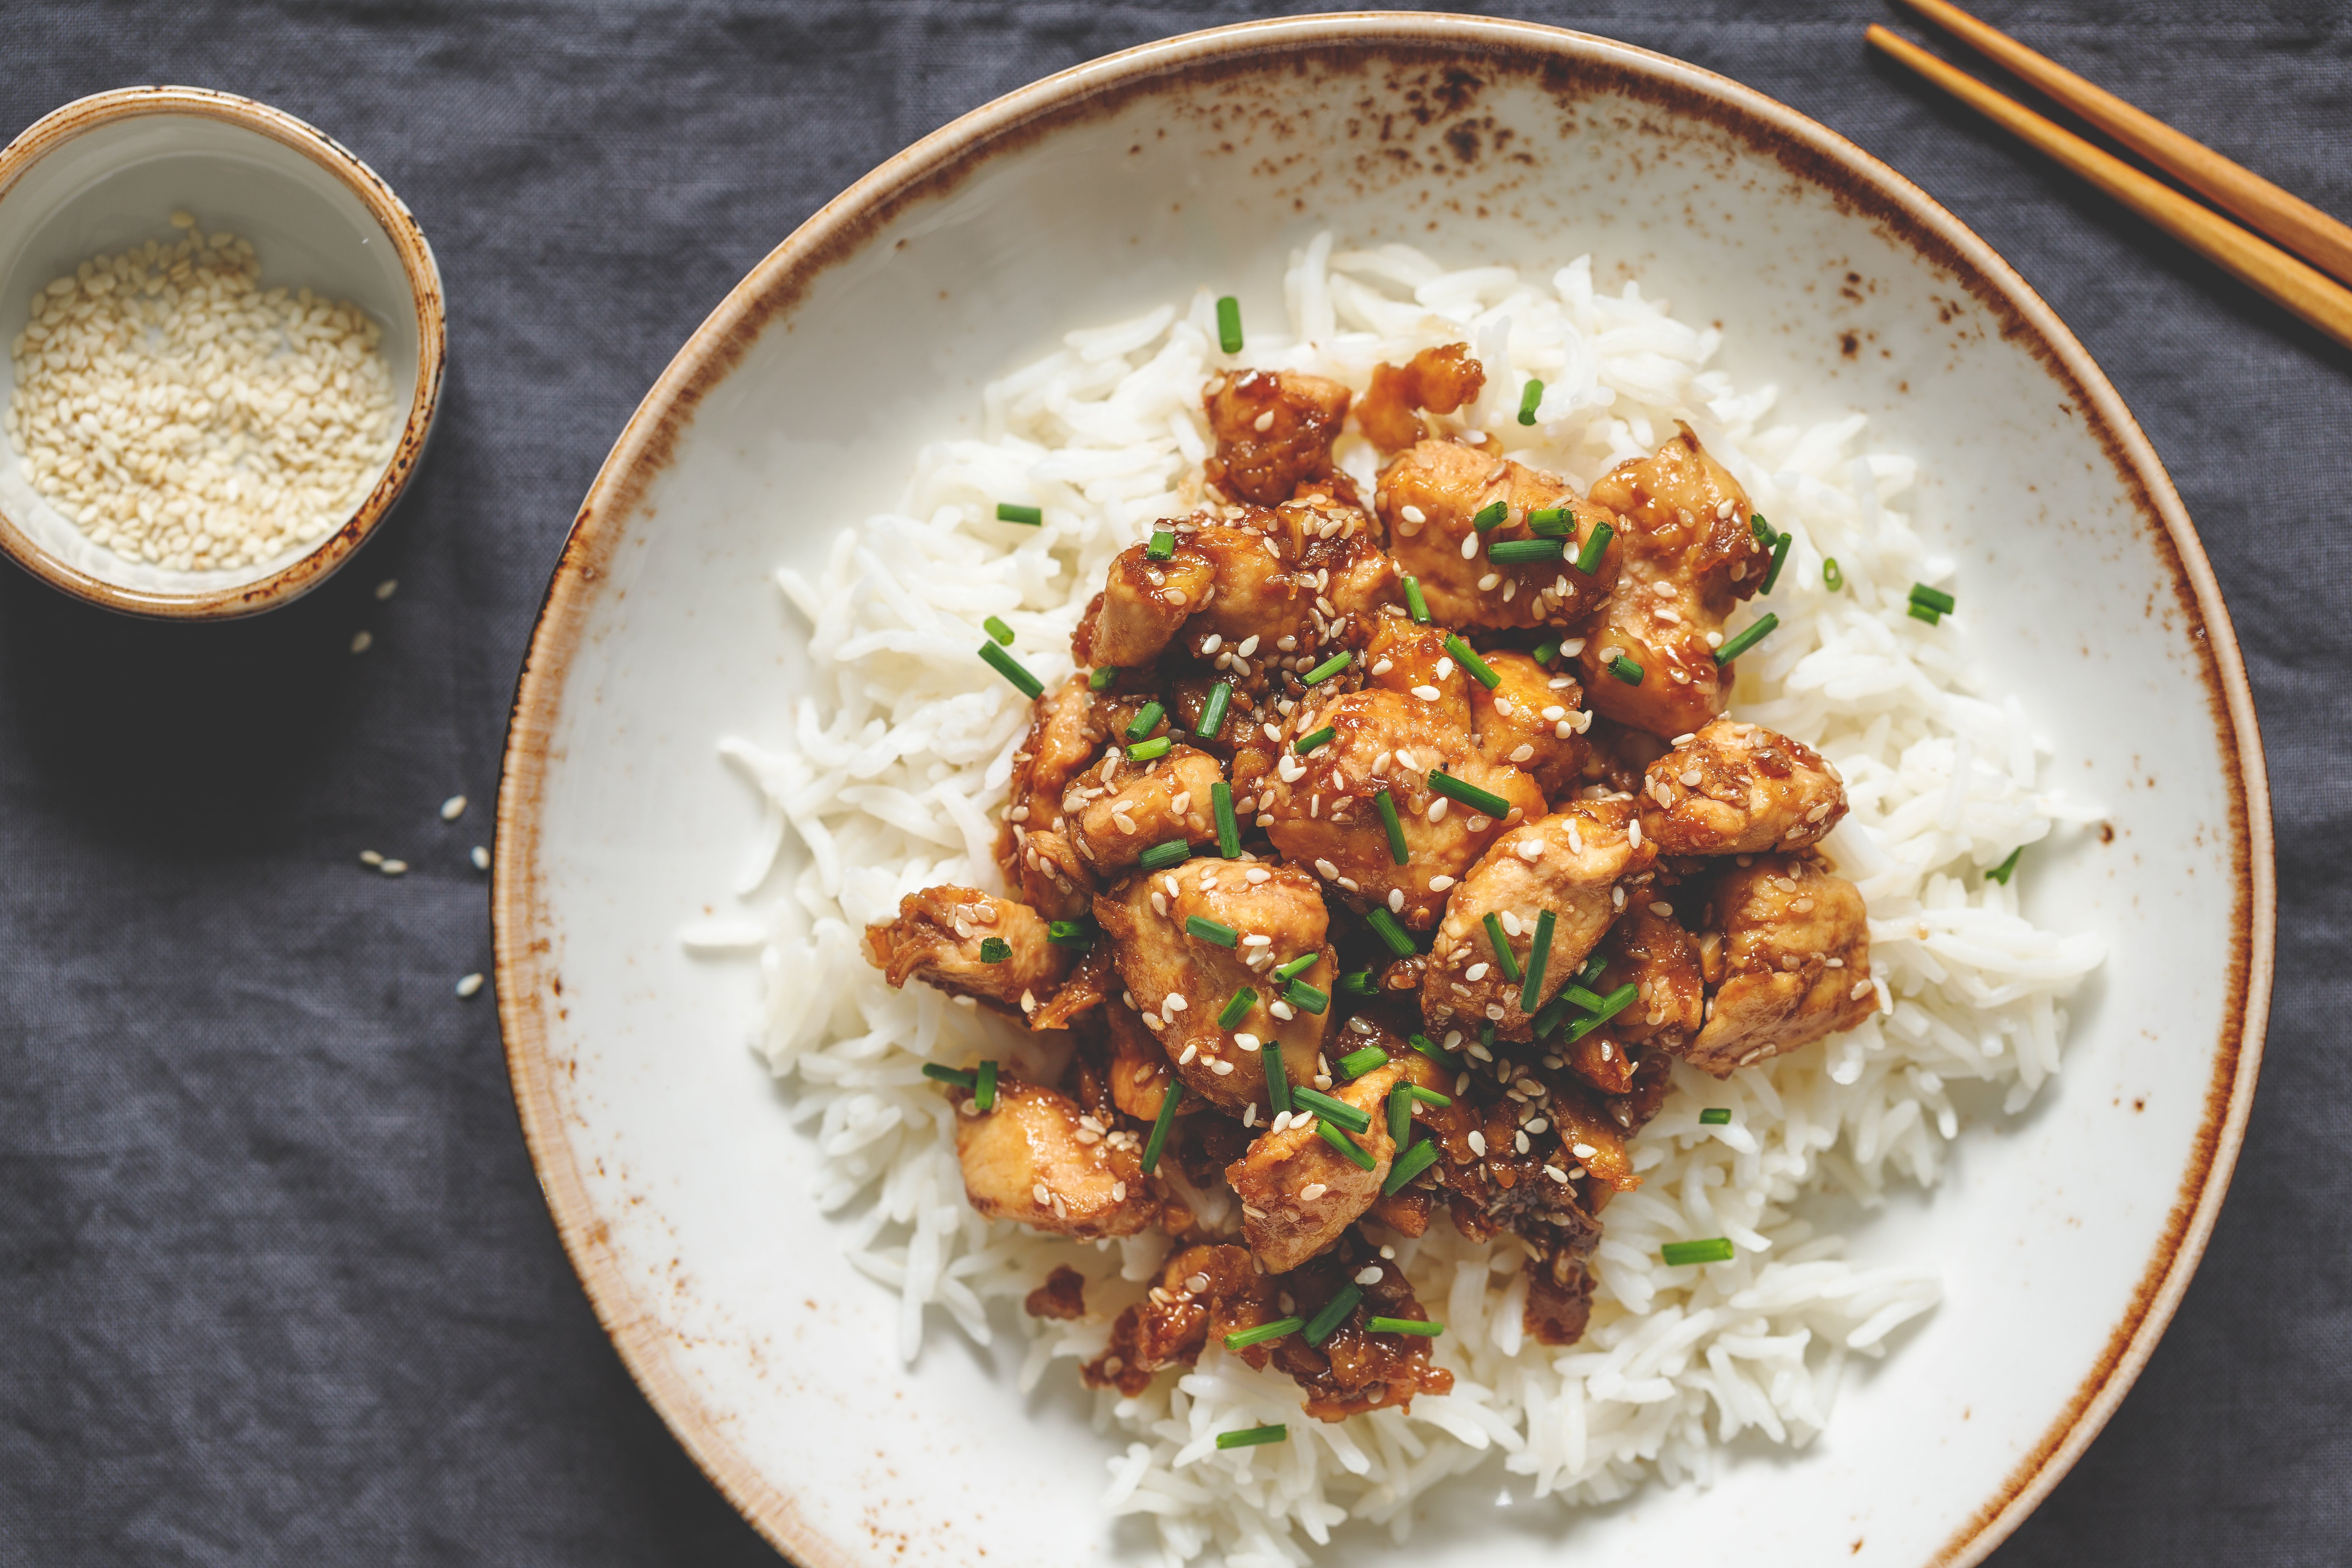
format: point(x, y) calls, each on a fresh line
point(2063, 1238)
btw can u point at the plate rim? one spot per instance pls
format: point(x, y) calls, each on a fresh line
point(526, 980)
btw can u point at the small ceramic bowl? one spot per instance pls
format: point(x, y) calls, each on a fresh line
point(104, 173)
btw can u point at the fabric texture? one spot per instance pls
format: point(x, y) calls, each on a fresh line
point(276, 1282)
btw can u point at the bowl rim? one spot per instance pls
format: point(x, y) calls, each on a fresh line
point(529, 988)
point(315, 566)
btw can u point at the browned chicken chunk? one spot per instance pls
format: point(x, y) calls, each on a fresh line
point(1439, 380)
point(1298, 1192)
point(1273, 429)
point(1795, 958)
point(1740, 789)
point(1648, 948)
point(1034, 1158)
point(1532, 720)
point(946, 936)
point(1166, 798)
point(1201, 1290)
point(1430, 498)
point(1356, 1370)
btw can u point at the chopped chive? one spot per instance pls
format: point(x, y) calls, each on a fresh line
point(1160, 856)
point(1616, 1002)
point(1212, 711)
point(1596, 545)
point(1490, 516)
point(1012, 668)
point(1594, 967)
point(1250, 1437)
point(1359, 985)
point(1145, 721)
point(1229, 831)
point(1277, 1077)
point(1306, 743)
point(998, 630)
point(1071, 934)
point(995, 950)
point(1150, 751)
point(1714, 1116)
point(1525, 551)
point(1008, 512)
point(1551, 522)
point(1103, 679)
point(1503, 956)
point(1469, 794)
point(963, 1078)
point(1432, 1050)
point(1468, 658)
point(1386, 804)
point(1625, 670)
point(1297, 967)
point(1578, 996)
point(1217, 931)
point(1306, 997)
point(1549, 1019)
point(1409, 1164)
point(1528, 399)
point(1393, 937)
point(1355, 1153)
point(1400, 1115)
point(1357, 1063)
point(1331, 1109)
point(1229, 324)
point(1242, 1339)
point(983, 1086)
point(1161, 1125)
point(1328, 669)
point(1335, 1312)
point(1765, 532)
point(1677, 1254)
point(1429, 1096)
point(1922, 613)
point(1162, 546)
point(1832, 577)
point(1545, 651)
point(1238, 1008)
point(1754, 632)
point(1539, 951)
point(1427, 1330)
point(1935, 599)
point(1487, 1036)
point(1779, 559)
point(1417, 606)
point(2000, 873)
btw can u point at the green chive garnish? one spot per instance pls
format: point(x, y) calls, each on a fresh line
point(1212, 711)
point(1393, 937)
point(1103, 677)
point(1238, 1008)
point(1528, 399)
point(1145, 721)
point(983, 1086)
point(1831, 576)
point(1305, 997)
point(1526, 551)
point(1241, 1340)
point(1331, 1109)
point(1208, 930)
point(1357, 1063)
point(1415, 604)
point(1008, 512)
point(1355, 1154)
point(1162, 546)
point(1922, 613)
point(1228, 338)
point(1468, 658)
point(1359, 985)
point(1071, 934)
point(1150, 751)
point(1335, 1312)
point(1469, 794)
point(2000, 873)
point(1490, 516)
point(1677, 1254)
point(1414, 1091)
point(1754, 632)
point(1616, 1002)
point(1594, 967)
point(1537, 954)
point(1578, 996)
point(1328, 669)
point(1277, 1077)
point(1228, 832)
point(1409, 1164)
point(995, 950)
point(1545, 651)
point(1625, 670)
point(1764, 531)
point(1306, 743)
point(1779, 559)
point(1248, 1436)
point(1432, 1050)
point(1935, 599)
point(1400, 1115)
point(1714, 1116)
point(1296, 967)
point(1386, 805)
point(1596, 545)
point(1551, 522)
point(1005, 665)
point(1160, 856)
point(1503, 953)
point(963, 1078)
point(1404, 1326)
point(1161, 1125)
point(998, 630)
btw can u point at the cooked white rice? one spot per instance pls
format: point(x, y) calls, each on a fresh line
point(899, 765)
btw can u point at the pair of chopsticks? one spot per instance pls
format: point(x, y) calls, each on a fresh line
point(2307, 290)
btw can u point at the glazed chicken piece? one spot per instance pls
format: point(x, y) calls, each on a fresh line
point(1532, 720)
point(1439, 380)
point(1560, 1297)
point(942, 936)
point(1428, 498)
point(1137, 1069)
point(1541, 1191)
point(1201, 1290)
point(1298, 1192)
point(1356, 1370)
point(1149, 804)
point(1648, 948)
point(1740, 789)
point(1037, 1159)
point(1033, 845)
point(1794, 960)
point(1617, 757)
point(1690, 556)
point(1569, 864)
point(1180, 976)
point(1273, 429)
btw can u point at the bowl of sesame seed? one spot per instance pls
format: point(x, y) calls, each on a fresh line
point(225, 343)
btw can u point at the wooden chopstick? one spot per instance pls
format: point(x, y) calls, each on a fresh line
point(2300, 288)
point(2286, 218)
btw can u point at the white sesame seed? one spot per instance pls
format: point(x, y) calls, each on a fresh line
point(1537, 1125)
point(1487, 583)
point(370, 857)
point(1038, 1190)
point(394, 868)
point(1282, 1010)
point(1557, 1175)
point(1370, 1274)
point(1439, 884)
point(1173, 1002)
point(1660, 908)
point(1475, 973)
point(1413, 514)
point(1520, 1142)
point(1221, 1066)
point(469, 984)
point(1246, 1042)
point(1312, 1191)
point(1191, 1050)
point(1477, 1143)
point(1437, 809)
point(480, 857)
point(1396, 901)
point(363, 641)
point(1325, 869)
point(1583, 1151)
point(387, 588)
point(1470, 547)
point(1445, 668)
point(1118, 1189)
point(1633, 832)
point(453, 808)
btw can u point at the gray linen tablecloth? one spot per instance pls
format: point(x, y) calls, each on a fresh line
point(275, 1283)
